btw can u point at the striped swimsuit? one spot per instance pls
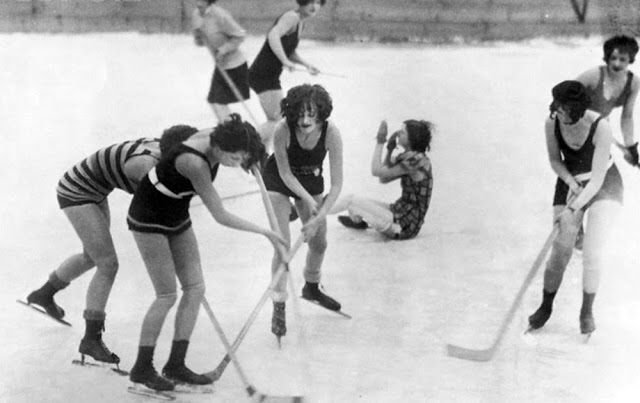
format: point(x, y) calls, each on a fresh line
point(94, 178)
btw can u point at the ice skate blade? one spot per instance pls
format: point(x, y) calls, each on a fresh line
point(194, 389)
point(346, 315)
point(42, 311)
point(140, 389)
point(103, 365)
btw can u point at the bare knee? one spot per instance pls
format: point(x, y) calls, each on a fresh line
point(166, 300)
point(108, 266)
point(194, 291)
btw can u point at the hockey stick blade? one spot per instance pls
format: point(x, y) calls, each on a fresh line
point(42, 311)
point(471, 354)
point(488, 353)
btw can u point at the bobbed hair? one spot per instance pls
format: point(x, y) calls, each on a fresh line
point(235, 135)
point(624, 44)
point(419, 133)
point(572, 97)
point(303, 97)
point(175, 135)
point(305, 2)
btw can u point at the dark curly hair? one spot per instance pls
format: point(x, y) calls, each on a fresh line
point(419, 133)
point(175, 135)
point(303, 97)
point(572, 96)
point(305, 2)
point(234, 135)
point(624, 44)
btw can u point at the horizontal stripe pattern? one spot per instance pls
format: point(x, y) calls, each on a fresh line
point(95, 177)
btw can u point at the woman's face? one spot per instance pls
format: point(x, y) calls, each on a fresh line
point(233, 159)
point(403, 138)
point(563, 115)
point(311, 9)
point(618, 61)
point(202, 5)
point(308, 119)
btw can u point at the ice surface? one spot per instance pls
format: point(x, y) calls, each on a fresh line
point(65, 96)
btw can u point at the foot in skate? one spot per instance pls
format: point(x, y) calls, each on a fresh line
point(279, 320)
point(47, 303)
point(96, 349)
point(539, 318)
point(140, 389)
point(312, 292)
point(149, 378)
point(587, 324)
point(349, 223)
point(183, 375)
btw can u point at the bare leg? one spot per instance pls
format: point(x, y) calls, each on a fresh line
point(221, 111)
point(282, 209)
point(186, 257)
point(156, 254)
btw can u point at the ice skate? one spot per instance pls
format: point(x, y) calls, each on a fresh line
point(147, 382)
point(349, 223)
point(587, 323)
point(47, 303)
point(539, 318)
point(312, 292)
point(97, 350)
point(183, 374)
point(279, 320)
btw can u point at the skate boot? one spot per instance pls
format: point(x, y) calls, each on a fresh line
point(312, 292)
point(183, 374)
point(279, 320)
point(97, 350)
point(349, 223)
point(150, 378)
point(539, 318)
point(175, 369)
point(92, 344)
point(44, 298)
point(587, 323)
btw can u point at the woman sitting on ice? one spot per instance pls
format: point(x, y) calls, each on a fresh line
point(404, 218)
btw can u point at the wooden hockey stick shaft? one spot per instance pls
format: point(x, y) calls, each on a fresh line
point(251, 390)
point(219, 370)
point(236, 93)
point(488, 353)
point(322, 73)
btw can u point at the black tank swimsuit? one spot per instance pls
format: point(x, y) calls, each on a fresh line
point(161, 203)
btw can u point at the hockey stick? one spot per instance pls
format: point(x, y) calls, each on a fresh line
point(236, 93)
point(251, 390)
point(488, 353)
point(219, 370)
point(322, 73)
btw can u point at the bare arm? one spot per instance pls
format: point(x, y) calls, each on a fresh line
point(555, 158)
point(280, 143)
point(599, 165)
point(335, 150)
point(198, 172)
point(626, 118)
point(285, 24)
